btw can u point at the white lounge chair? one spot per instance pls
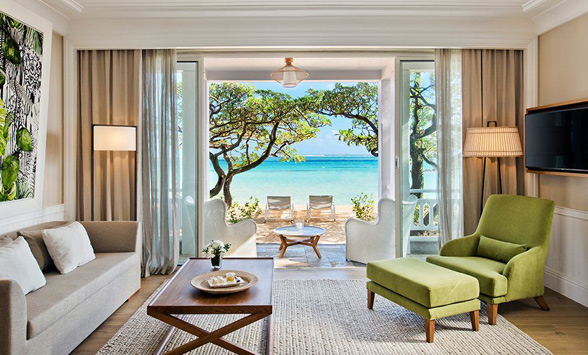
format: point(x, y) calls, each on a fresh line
point(241, 235)
point(279, 203)
point(320, 203)
point(369, 241)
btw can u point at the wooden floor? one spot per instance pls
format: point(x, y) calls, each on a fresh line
point(563, 330)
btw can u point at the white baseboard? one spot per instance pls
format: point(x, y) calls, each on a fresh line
point(53, 213)
point(567, 268)
point(572, 288)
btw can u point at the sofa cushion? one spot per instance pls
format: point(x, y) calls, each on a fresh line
point(487, 271)
point(63, 293)
point(38, 248)
point(424, 283)
point(499, 250)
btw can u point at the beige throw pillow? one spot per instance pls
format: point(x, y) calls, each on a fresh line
point(38, 248)
point(69, 246)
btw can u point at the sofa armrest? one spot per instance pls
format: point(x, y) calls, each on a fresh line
point(114, 237)
point(13, 322)
point(525, 274)
point(466, 246)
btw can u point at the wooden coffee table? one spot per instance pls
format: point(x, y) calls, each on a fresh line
point(308, 235)
point(179, 297)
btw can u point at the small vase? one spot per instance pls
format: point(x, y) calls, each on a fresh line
point(217, 262)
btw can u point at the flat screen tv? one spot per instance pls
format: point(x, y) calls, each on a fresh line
point(557, 140)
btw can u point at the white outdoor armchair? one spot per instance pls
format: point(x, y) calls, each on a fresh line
point(320, 203)
point(279, 203)
point(240, 235)
point(370, 241)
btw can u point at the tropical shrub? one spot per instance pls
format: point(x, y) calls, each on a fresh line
point(363, 206)
point(248, 210)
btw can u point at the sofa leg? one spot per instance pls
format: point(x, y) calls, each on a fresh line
point(492, 313)
point(371, 296)
point(541, 302)
point(430, 330)
point(475, 318)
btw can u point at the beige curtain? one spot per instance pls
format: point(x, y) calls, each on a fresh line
point(492, 91)
point(448, 94)
point(109, 93)
point(159, 151)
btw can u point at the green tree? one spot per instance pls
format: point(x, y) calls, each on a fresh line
point(359, 103)
point(423, 125)
point(248, 125)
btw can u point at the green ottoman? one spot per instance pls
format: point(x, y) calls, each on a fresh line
point(429, 290)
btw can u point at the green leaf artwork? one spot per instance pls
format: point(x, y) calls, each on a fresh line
point(24, 140)
point(21, 68)
point(10, 168)
point(11, 51)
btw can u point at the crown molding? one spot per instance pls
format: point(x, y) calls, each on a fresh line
point(558, 14)
point(57, 18)
point(67, 7)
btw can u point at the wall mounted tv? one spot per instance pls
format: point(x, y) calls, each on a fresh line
point(556, 140)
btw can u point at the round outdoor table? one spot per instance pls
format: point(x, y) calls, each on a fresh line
point(308, 235)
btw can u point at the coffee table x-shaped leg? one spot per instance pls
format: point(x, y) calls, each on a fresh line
point(205, 337)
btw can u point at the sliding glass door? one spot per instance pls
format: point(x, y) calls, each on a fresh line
point(187, 102)
point(418, 215)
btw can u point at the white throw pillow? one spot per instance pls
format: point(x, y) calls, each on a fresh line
point(18, 263)
point(5, 240)
point(69, 246)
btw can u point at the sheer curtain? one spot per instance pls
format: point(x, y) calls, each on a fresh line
point(448, 93)
point(109, 93)
point(159, 149)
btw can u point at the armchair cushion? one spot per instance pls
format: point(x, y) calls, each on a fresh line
point(498, 250)
point(487, 271)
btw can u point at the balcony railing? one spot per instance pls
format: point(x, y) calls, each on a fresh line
point(425, 211)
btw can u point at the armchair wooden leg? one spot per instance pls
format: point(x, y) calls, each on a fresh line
point(475, 318)
point(430, 330)
point(492, 313)
point(541, 302)
point(371, 296)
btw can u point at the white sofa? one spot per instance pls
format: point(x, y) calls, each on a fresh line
point(56, 318)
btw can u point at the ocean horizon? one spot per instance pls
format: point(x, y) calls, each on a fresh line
point(343, 176)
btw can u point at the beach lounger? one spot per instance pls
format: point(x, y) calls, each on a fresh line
point(279, 203)
point(320, 203)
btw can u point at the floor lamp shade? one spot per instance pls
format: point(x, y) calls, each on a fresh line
point(492, 142)
point(115, 138)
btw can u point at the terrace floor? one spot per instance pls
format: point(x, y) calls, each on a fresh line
point(300, 256)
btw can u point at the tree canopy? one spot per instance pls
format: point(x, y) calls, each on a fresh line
point(359, 103)
point(248, 125)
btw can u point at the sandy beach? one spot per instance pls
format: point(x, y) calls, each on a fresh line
point(334, 230)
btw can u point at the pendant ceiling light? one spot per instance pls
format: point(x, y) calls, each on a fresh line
point(289, 75)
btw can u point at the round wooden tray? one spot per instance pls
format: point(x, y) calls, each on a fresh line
point(201, 282)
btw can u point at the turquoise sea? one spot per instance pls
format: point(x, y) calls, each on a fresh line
point(341, 176)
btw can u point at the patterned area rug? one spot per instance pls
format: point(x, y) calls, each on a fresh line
point(331, 317)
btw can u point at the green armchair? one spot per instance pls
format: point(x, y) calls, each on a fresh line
point(506, 253)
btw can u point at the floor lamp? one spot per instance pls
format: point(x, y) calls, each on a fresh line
point(492, 142)
point(114, 138)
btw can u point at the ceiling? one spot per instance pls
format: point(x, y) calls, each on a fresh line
point(114, 8)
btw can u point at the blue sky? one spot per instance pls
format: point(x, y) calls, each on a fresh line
point(326, 141)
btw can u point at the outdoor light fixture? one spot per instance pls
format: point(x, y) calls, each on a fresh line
point(289, 75)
